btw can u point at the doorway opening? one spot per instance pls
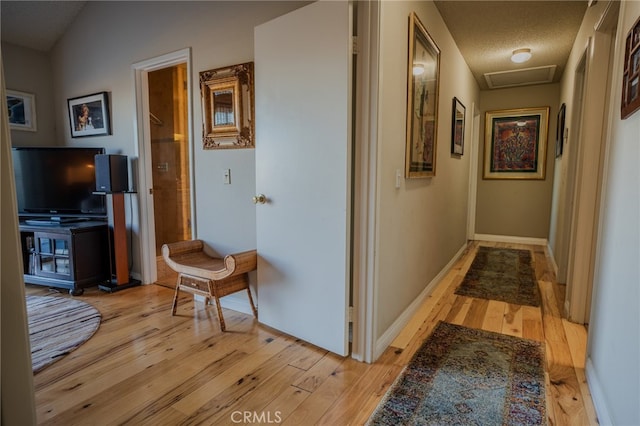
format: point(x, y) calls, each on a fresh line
point(594, 75)
point(169, 161)
point(165, 163)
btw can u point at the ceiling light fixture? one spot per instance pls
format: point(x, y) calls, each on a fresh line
point(418, 69)
point(521, 55)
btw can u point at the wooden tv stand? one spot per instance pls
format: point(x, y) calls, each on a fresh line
point(67, 255)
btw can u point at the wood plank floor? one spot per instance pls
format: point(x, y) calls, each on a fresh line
point(145, 367)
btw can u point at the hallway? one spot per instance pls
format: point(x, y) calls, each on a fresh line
point(144, 366)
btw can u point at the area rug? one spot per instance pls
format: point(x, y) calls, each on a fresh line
point(501, 274)
point(57, 326)
point(463, 376)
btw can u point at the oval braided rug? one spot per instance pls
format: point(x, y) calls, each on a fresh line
point(57, 326)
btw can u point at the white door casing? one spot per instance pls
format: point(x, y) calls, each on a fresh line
point(143, 145)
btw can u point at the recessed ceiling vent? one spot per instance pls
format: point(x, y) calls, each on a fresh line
point(522, 77)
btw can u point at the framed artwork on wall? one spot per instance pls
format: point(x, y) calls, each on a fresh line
point(89, 115)
point(515, 144)
point(560, 130)
point(422, 101)
point(457, 127)
point(21, 108)
point(631, 73)
point(228, 107)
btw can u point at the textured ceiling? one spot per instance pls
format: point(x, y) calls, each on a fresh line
point(486, 32)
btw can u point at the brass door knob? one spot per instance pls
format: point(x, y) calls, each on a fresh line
point(259, 199)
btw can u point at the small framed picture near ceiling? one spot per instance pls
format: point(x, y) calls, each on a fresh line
point(631, 73)
point(21, 108)
point(515, 144)
point(89, 115)
point(457, 127)
point(422, 101)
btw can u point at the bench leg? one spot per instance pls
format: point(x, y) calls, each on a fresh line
point(223, 326)
point(175, 295)
point(253, 306)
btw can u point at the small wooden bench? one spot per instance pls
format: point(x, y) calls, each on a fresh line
point(211, 277)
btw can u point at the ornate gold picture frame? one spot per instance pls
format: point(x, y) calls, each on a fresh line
point(515, 143)
point(228, 107)
point(422, 101)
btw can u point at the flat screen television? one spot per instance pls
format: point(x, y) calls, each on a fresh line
point(57, 183)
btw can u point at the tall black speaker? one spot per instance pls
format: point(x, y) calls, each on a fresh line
point(111, 173)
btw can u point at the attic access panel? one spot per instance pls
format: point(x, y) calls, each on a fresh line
point(522, 77)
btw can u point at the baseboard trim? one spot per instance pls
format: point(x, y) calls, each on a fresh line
point(394, 330)
point(511, 239)
point(597, 395)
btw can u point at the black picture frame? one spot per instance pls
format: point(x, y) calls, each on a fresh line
point(458, 115)
point(89, 115)
point(631, 73)
point(560, 126)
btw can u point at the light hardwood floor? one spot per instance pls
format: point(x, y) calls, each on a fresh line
point(144, 366)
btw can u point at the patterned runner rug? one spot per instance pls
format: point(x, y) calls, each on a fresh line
point(57, 326)
point(501, 274)
point(463, 376)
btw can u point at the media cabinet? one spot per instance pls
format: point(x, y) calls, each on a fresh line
point(72, 256)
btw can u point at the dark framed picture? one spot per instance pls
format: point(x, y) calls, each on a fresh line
point(631, 73)
point(560, 130)
point(515, 144)
point(89, 115)
point(422, 101)
point(457, 127)
point(21, 108)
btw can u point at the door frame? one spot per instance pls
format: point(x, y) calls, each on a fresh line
point(589, 157)
point(473, 172)
point(364, 174)
point(142, 143)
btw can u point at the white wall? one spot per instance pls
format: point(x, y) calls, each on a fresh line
point(422, 225)
point(96, 54)
point(613, 359)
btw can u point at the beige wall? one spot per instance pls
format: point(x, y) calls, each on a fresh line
point(33, 75)
point(421, 225)
point(517, 208)
point(562, 196)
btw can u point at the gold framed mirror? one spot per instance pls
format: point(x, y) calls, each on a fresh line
point(227, 107)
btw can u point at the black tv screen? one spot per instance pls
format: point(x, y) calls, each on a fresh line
point(57, 182)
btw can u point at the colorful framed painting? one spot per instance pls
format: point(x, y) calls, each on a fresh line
point(21, 109)
point(422, 101)
point(515, 145)
point(89, 115)
point(457, 127)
